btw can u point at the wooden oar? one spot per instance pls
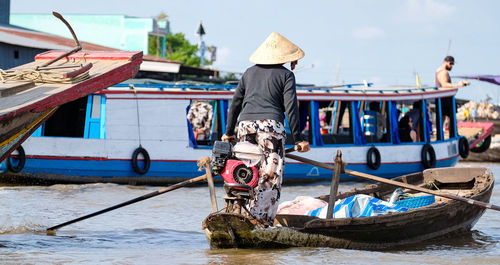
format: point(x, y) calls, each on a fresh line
point(396, 183)
point(51, 230)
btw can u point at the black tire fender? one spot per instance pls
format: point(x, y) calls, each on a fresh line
point(370, 155)
point(22, 160)
point(484, 146)
point(463, 147)
point(135, 160)
point(428, 156)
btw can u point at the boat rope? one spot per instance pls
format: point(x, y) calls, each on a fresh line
point(45, 75)
point(41, 76)
point(432, 183)
point(137, 109)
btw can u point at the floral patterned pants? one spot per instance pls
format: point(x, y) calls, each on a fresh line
point(269, 135)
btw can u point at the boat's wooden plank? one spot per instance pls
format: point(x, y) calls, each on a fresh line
point(110, 55)
point(102, 75)
point(453, 175)
point(12, 87)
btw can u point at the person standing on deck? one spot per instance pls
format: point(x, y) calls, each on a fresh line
point(443, 79)
point(265, 91)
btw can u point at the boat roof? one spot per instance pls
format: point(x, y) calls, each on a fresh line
point(346, 92)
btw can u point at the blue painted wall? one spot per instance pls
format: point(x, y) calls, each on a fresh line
point(4, 11)
point(12, 55)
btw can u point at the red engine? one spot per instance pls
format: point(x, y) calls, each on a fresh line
point(235, 171)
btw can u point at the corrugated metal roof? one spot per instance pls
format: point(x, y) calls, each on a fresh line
point(25, 42)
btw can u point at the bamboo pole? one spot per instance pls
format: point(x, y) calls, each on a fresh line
point(335, 184)
point(51, 230)
point(211, 188)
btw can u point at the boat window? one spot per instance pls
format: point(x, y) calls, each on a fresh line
point(206, 121)
point(434, 120)
point(448, 117)
point(375, 121)
point(336, 122)
point(68, 120)
point(410, 125)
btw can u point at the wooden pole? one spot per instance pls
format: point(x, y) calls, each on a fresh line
point(396, 183)
point(337, 115)
point(138, 199)
point(361, 106)
point(211, 188)
point(335, 184)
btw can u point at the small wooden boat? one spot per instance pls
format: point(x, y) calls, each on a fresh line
point(229, 230)
point(25, 103)
point(478, 134)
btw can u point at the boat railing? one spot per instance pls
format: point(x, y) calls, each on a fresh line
point(346, 88)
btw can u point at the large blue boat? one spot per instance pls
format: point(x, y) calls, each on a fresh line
point(139, 134)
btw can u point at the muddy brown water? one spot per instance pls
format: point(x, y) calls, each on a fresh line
point(167, 230)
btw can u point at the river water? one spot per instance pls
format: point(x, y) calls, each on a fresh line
point(167, 230)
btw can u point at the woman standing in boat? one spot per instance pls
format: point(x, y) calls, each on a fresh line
point(265, 92)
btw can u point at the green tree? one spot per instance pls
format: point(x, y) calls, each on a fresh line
point(177, 48)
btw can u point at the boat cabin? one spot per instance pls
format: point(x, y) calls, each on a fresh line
point(328, 116)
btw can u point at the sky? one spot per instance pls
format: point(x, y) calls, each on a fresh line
point(385, 42)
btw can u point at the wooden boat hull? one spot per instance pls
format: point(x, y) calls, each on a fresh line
point(16, 130)
point(226, 230)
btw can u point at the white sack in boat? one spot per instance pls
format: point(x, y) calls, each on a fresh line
point(248, 153)
point(301, 205)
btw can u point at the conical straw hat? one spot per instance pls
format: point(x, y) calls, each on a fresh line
point(276, 49)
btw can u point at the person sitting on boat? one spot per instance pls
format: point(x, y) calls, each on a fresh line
point(323, 126)
point(404, 129)
point(443, 79)
point(200, 115)
point(265, 91)
point(414, 121)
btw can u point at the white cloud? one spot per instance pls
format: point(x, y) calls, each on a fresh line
point(368, 33)
point(425, 11)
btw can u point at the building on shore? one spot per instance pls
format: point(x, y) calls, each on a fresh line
point(116, 31)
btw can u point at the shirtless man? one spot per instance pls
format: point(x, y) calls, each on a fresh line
point(443, 76)
point(442, 79)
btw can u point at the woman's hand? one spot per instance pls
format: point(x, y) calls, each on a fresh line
point(228, 139)
point(302, 147)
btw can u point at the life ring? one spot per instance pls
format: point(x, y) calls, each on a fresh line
point(135, 161)
point(463, 147)
point(21, 156)
point(373, 153)
point(428, 156)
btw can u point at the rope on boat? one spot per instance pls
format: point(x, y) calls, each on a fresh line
point(137, 109)
point(43, 76)
point(431, 184)
point(203, 162)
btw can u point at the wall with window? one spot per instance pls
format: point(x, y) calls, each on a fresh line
point(81, 118)
point(13, 55)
